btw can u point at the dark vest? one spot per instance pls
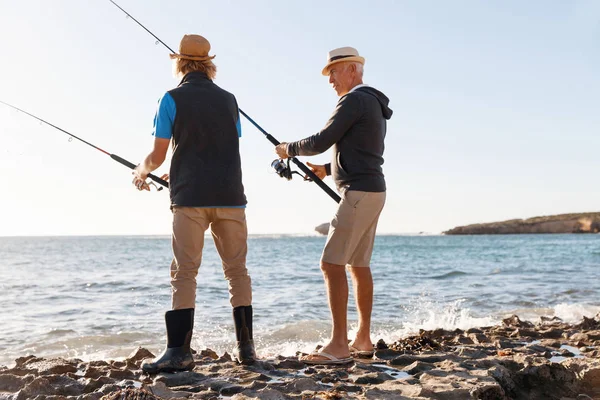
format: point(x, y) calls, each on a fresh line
point(206, 169)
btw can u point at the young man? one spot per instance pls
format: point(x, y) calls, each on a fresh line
point(356, 130)
point(201, 120)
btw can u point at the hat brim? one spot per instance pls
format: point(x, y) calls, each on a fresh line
point(194, 58)
point(359, 59)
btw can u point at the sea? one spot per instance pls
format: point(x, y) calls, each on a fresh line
point(102, 297)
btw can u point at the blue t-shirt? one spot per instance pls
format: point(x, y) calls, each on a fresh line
point(165, 118)
point(163, 125)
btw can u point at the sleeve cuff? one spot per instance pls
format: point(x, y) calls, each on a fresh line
point(289, 150)
point(328, 168)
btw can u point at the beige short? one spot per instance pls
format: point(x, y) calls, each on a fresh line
point(230, 234)
point(352, 230)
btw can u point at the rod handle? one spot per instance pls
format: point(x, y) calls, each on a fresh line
point(131, 165)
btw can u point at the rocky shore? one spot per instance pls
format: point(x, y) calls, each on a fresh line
point(564, 223)
point(515, 360)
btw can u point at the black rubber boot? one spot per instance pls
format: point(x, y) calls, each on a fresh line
point(244, 350)
point(177, 356)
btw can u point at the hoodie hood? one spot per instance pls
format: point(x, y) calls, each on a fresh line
point(382, 98)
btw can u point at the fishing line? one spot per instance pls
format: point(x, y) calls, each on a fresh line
point(71, 137)
point(309, 173)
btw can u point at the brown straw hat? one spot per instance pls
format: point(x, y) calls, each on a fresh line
point(340, 55)
point(193, 47)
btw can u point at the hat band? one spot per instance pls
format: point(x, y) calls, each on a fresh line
point(340, 57)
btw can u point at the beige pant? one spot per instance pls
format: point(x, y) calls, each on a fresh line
point(352, 230)
point(230, 234)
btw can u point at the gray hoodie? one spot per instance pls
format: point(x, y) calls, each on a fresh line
point(356, 130)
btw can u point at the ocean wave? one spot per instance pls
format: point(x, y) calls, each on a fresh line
point(451, 274)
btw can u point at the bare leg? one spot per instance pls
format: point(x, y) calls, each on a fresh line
point(336, 284)
point(363, 293)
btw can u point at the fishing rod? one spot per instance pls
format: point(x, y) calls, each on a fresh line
point(113, 156)
point(281, 169)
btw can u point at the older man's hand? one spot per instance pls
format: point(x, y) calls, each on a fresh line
point(281, 150)
point(319, 170)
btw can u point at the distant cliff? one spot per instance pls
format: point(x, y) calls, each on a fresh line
point(564, 223)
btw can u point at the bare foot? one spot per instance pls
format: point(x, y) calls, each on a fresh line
point(338, 351)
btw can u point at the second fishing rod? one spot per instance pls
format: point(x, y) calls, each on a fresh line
point(281, 169)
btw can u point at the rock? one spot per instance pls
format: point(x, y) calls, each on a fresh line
point(12, 383)
point(564, 223)
point(130, 394)
point(139, 355)
point(301, 384)
point(417, 367)
point(183, 378)
point(348, 388)
point(231, 390)
point(373, 379)
point(208, 353)
point(51, 366)
point(323, 229)
point(289, 363)
point(514, 321)
point(120, 374)
point(478, 338)
point(161, 390)
point(387, 354)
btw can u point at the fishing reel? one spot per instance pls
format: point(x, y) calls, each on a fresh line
point(284, 170)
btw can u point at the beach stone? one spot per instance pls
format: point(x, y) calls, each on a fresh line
point(289, 363)
point(462, 340)
point(300, 385)
point(417, 367)
point(387, 354)
point(231, 390)
point(121, 374)
point(91, 384)
point(471, 352)
point(579, 337)
point(139, 354)
point(381, 345)
point(553, 333)
point(348, 388)
point(373, 379)
point(514, 321)
point(208, 353)
point(478, 338)
point(12, 383)
point(182, 378)
point(130, 394)
point(488, 391)
point(161, 390)
point(407, 359)
point(51, 366)
point(93, 372)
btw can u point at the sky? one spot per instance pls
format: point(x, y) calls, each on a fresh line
point(496, 107)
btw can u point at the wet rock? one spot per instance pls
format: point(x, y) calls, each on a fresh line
point(478, 338)
point(579, 337)
point(471, 352)
point(161, 390)
point(51, 366)
point(417, 367)
point(348, 388)
point(182, 378)
point(514, 321)
point(91, 384)
point(462, 340)
point(387, 354)
point(301, 384)
point(407, 359)
point(554, 333)
point(381, 345)
point(489, 391)
point(92, 372)
point(12, 383)
point(208, 353)
point(231, 390)
point(588, 324)
point(139, 355)
point(373, 379)
point(505, 344)
point(121, 374)
point(289, 363)
point(130, 394)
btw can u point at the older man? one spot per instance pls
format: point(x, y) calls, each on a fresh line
point(356, 130)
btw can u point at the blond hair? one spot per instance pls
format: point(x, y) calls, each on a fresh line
point(182, 67)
